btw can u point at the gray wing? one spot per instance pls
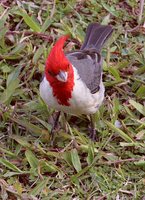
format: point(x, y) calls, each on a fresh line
point(88, 64)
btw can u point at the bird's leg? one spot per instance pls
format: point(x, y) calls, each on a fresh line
point(56, 119)
point(92, 128)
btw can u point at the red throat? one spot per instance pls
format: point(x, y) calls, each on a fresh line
point(63, 90)
point(57, 61)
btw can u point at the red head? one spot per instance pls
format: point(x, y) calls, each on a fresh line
point(59, 73)
point(57, 64)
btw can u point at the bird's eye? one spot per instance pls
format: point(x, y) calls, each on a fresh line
point(51, 73)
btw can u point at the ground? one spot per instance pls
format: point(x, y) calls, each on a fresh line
point(74, 168)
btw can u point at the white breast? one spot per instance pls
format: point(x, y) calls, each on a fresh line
point(81, 102)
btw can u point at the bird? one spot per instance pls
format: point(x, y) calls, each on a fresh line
point(72, 81)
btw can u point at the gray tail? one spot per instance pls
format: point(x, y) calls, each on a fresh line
point(96, 36)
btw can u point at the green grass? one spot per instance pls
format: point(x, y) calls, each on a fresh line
point(74, 168)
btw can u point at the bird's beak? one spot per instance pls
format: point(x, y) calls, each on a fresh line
point(62, 76)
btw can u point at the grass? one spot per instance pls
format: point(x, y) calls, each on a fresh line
point(74, 168)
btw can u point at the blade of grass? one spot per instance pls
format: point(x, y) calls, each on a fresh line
point(29, 21)
point(31, 158)
point(76, 160)
point(119, 132)
point(139, 107)
point(39, 187)
point(9, 165)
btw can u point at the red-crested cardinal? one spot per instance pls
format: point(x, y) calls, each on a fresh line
point(73, 81)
